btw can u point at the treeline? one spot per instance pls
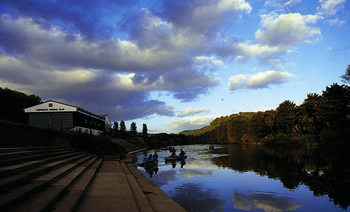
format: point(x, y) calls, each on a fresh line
point(13, 103)
point(319, 119)
point(119, 130)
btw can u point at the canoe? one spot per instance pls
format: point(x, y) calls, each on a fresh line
point(149, 164)
point(175, 159)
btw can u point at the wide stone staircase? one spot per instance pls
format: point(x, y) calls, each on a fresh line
point(62, 179)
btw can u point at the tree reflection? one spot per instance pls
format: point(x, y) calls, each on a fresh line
point(325, 172)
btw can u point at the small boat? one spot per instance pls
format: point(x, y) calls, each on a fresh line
point(148, 164)
point(175, 158)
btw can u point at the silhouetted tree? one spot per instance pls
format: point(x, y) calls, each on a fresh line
point(346, 77)
point(13, 104)
point(122, 128)
point(115, 129)
point(133, 129)
point(144, 130)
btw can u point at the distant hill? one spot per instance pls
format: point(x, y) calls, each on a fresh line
point(320, 119)
point(224, 129)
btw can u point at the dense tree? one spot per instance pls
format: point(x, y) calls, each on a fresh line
point(133, 129)
point(346, 77)
point(13, 104)
point(309, 115)
point(257, 125)
point(285, 116)
point(335, 107)
point(144, 130)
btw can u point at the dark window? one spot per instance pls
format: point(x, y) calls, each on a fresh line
point(50, 104)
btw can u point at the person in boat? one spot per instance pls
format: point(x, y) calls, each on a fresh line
point(149, 159)
point(173, 154)
point(155, 155)
point(182, 153)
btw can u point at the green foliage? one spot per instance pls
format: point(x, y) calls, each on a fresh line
point(13, 104)
point(285, 117)
point(321, 118)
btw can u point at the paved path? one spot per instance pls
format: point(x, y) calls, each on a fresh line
point(119, 186)
point(109, 191)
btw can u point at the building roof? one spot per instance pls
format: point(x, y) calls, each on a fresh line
point(52, 106)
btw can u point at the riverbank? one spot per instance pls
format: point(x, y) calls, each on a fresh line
point(59, 178)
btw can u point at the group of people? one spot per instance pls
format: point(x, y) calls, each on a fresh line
point(173, 152)
point(152, 158)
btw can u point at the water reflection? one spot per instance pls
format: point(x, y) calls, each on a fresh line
point(325, 172)
point(249, 177)
point(197, 198)
point(190, 173)
point(267, 202)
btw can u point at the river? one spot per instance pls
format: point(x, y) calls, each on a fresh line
point(254, 178)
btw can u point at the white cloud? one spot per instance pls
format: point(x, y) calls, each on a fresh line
point(286, 29)
point(336, 21)
point(190, 123)
point(259, 80)
point(277, 35)
point(330, 7)
point(191, 111)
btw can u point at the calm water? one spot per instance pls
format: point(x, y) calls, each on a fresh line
point(254, 178)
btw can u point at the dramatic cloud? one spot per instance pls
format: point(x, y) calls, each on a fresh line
point(330, 7)
point(202, 16)
point(191, 111)
point(59, 61)
point(90, 18)
point(190, 123)
point(259, 80)
point(277, 34)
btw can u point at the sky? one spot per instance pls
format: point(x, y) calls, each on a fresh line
point(174, 65)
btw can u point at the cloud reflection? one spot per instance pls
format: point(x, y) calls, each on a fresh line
point(267, 202)
point(195, 198)
point(190, 173)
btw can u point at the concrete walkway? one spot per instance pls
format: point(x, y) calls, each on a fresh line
point(119, 186)
point(109, 191)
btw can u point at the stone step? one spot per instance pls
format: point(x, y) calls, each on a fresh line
point(16, 180)
point(72, 198)
point(13, 197)
point(140, 198)
point(109, 191)
point(8, 155)
point(20, 159)
point(19, 149)
point(18, 168)
point(44, 200)
point(158, 200)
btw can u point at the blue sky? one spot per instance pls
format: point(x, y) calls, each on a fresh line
point(171, 64)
